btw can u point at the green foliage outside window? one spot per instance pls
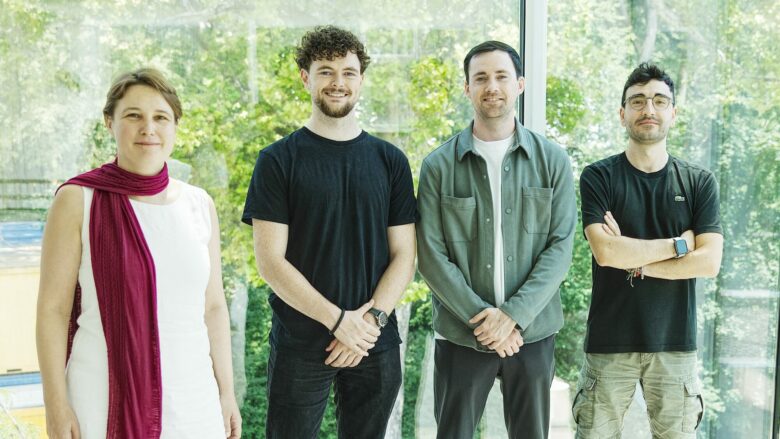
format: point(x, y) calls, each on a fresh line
point(728, 97)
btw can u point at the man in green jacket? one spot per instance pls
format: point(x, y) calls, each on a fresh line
point(497, 218)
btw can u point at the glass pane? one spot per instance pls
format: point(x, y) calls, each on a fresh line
point(234, 67)
point(723, 58)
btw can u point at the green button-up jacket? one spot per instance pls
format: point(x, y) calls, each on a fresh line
point(455, 234)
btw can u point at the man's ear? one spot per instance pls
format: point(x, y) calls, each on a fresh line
point(305, 78)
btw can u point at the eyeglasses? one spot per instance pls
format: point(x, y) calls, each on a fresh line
point(638, 102)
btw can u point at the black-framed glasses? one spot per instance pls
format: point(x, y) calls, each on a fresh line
point(638, 102)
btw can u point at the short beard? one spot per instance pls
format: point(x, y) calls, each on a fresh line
point(334, 113)
point(647, 137)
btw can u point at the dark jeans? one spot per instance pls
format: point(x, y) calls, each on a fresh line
point(299, 385)
point(463, 378)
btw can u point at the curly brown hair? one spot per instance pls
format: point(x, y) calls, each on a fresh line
point(329, 42)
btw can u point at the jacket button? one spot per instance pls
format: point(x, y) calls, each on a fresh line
point(489, 266)
point(508, 210)
point(509, 258)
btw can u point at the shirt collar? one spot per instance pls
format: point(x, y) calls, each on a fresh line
point(521, 140)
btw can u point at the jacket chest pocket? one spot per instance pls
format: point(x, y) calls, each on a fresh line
point(537, 204)
point(459, 218)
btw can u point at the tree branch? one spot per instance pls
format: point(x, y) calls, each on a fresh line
point(651, 30)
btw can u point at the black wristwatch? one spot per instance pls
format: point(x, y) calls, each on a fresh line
point(680, 247)
point(380, 316)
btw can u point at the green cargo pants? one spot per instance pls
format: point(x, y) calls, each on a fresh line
point(669, 383)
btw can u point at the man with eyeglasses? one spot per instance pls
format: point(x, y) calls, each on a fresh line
point(653, 225)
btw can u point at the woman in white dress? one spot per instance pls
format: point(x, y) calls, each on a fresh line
point(133, 331)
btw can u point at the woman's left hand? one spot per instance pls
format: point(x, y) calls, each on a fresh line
point(231, 416)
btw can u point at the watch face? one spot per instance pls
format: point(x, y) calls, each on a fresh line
point(680, 247)
point(381, 317)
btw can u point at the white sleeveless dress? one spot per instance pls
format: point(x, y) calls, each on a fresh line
point(177, 235)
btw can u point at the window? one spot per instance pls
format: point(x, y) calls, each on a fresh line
point(722, 58)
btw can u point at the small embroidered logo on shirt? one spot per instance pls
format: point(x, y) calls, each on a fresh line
point(679, 198)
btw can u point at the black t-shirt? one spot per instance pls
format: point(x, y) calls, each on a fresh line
point(655, 315)
point(338, 199)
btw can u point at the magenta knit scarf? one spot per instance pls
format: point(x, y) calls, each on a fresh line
point(127, 296)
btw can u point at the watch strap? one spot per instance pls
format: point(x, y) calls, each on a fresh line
point(378, 313)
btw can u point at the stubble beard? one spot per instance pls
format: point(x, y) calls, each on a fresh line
point(493, 112)
point(648, 136)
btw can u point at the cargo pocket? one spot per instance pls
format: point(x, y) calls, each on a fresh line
point(458, 217)
point(693, 406)
point(537, 204)
point(582, 409)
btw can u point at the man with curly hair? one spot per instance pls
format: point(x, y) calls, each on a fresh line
point(332, 210)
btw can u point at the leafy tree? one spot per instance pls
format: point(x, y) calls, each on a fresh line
point(241, 92)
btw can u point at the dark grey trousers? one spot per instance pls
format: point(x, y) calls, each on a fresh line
point(463, 378)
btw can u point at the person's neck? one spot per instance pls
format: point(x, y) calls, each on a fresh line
point(491, 130)
point(142, 169)
point(166, 196)
point(647, 157)
point(339, 129)
point(163, 197)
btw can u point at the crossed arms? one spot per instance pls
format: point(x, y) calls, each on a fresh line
point(357, 332)
point(655, 256)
